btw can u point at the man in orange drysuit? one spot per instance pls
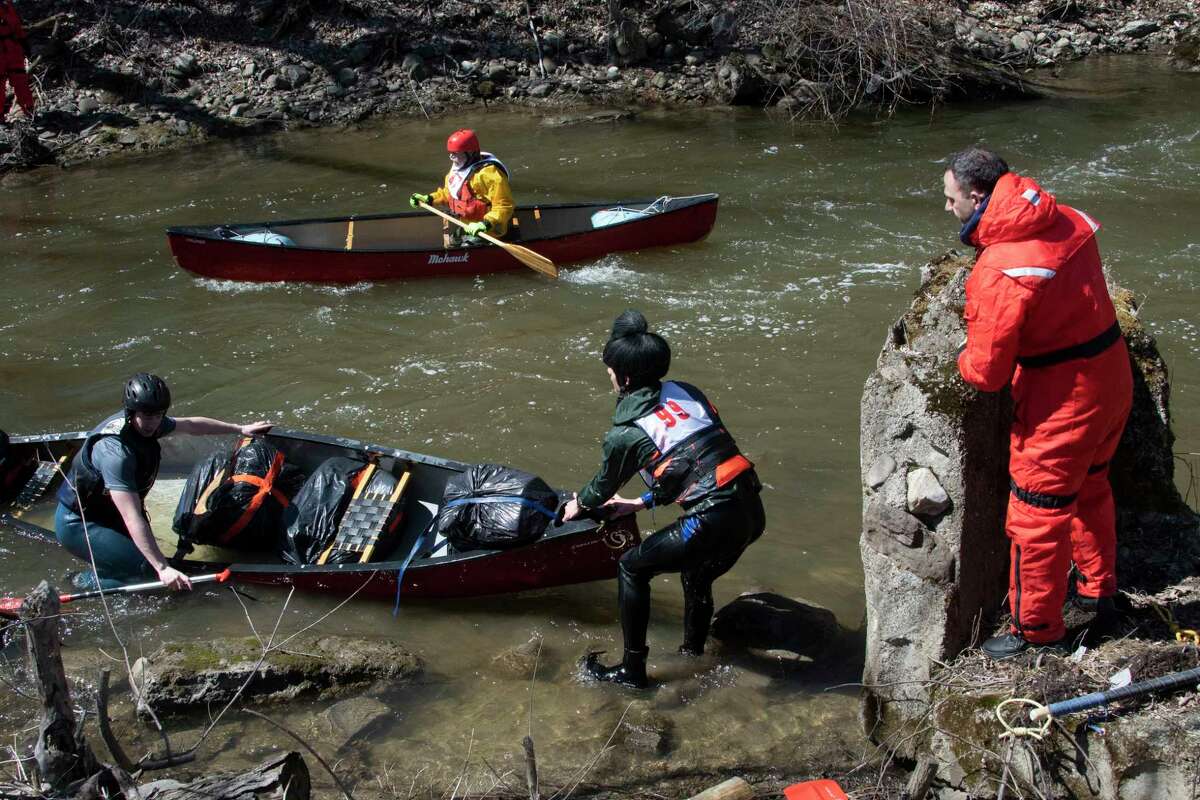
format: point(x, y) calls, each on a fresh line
point(1039, 314)
point(476, 190)
point(14, 47)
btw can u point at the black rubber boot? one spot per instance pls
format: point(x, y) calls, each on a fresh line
point(630, 672)
point(1009, 645)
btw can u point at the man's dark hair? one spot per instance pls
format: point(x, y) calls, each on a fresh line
point(634, 353)
point(976, 169)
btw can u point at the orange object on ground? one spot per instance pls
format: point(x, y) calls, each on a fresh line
point(1039, 314)
point(815, 790)
point(13, 49)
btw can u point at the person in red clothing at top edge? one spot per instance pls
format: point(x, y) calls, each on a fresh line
point(14, 48)
point(476, 190)
point(1039, 316)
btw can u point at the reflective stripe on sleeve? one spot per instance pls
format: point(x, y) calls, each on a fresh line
point(1025, 272)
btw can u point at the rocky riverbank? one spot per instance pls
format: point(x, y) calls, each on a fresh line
point(130, 78)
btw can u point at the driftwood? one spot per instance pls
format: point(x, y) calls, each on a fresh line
point(531, 776)
point(921, 779)
point(281, 775)
point(62, 754)
point(732, 789)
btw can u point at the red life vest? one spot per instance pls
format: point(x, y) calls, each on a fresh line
point(695, 454)
point(462, 200)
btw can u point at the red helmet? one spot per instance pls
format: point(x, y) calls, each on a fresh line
point(462, 141)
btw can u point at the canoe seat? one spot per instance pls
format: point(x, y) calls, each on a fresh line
point(371, 520)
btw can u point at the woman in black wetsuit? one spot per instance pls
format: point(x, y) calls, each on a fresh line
point(670, 432)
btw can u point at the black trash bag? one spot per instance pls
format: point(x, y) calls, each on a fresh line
point(317, 509)
point(226, 521)
point(495, 524)
point(186, 519)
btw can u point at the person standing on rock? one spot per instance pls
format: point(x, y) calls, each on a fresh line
point(671, 433)
point(476, 190)
point(101, 515)
point(14, 49)
point(1039, 316)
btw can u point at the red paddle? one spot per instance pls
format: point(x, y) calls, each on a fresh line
point(11, 606)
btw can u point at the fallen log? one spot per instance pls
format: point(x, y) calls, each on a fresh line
point(282, 775)
point(61, 753)
point(732, 789)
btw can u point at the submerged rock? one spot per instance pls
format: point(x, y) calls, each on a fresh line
point(519, 662)
point(353, 719)
point(193, 675)
point(766, 621)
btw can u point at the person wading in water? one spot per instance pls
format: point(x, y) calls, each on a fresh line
point(476, 190)
point(670, 432)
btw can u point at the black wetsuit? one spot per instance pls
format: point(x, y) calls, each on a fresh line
point(721, 518)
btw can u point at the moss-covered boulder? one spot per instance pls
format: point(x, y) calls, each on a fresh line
point(195, 675)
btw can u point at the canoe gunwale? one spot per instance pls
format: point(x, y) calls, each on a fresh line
point(208, 232)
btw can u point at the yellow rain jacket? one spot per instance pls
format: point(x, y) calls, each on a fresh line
point(479, 192)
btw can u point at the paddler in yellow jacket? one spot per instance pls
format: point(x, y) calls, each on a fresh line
point(476, 190)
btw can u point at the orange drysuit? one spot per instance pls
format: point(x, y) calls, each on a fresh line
point(1039, 314)
point(13, 49)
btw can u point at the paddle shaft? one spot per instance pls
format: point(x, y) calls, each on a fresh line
point(11, 606)
point(523, 254)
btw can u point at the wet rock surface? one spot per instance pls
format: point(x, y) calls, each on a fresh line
point(771, 622)
point(196, 675)
point(520, 662)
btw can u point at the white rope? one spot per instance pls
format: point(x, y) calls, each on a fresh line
point(1017, 731)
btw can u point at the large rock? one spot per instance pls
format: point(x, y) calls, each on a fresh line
point(1185, 55)
point(195, 675)
point(767, 621)
point(915, 410)
point(739, 83)
point(1138, 28)
point(935, 576)
point(628, 43)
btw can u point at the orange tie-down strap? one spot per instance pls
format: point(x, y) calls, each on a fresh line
point(266, 486)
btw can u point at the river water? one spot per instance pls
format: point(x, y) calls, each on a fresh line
point(778, 316)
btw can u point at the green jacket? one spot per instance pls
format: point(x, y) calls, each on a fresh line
point(627, 449)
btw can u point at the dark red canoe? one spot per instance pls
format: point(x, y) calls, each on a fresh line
point(572, 553)
point(413, 245)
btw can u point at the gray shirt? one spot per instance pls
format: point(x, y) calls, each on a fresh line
point(116, 465)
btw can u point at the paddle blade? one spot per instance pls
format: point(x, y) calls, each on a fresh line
point(531, 259)
point(815, 790)
point(11, 607)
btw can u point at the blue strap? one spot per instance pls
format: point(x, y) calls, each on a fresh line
point(400, 572)
point(462, 501)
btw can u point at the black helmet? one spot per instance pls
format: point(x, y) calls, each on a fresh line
point(146, 392)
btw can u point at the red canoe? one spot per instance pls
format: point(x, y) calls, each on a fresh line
point(574, 552)
point(412, 245)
